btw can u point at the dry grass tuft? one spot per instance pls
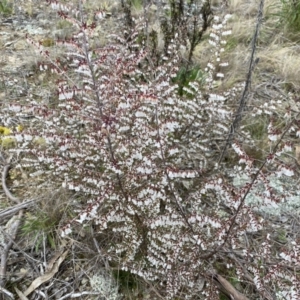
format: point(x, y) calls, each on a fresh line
point(284, 61)
point(244, 9)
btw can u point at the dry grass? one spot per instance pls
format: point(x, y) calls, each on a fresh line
point(244, 9)
point(284, 61)
point(277, 52)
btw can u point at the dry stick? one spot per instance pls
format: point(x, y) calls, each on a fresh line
point(226, 287)
point(80, 294)
point(245, 94)
point(152, 287)
point(8, 212)
point(6, 292)
point(14, 226)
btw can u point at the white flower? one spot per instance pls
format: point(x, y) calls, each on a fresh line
point(273, 137)
point(237, 149)
point(287, 148)
point(227, 32)
point(287, 172)
point(66, 231)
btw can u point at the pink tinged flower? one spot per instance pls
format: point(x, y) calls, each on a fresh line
point(286, 171)
point(66, 230)
point(100, 14)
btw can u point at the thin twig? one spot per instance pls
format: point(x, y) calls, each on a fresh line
point(7, 192)
point(6, 292)
point(152, 287)
point(77, 295)
point(245, 94)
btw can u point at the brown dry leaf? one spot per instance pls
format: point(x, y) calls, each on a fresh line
point(47, 276)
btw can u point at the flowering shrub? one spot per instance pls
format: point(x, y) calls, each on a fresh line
point(144, 158)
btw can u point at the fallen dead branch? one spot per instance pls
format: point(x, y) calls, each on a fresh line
point(13, 210)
